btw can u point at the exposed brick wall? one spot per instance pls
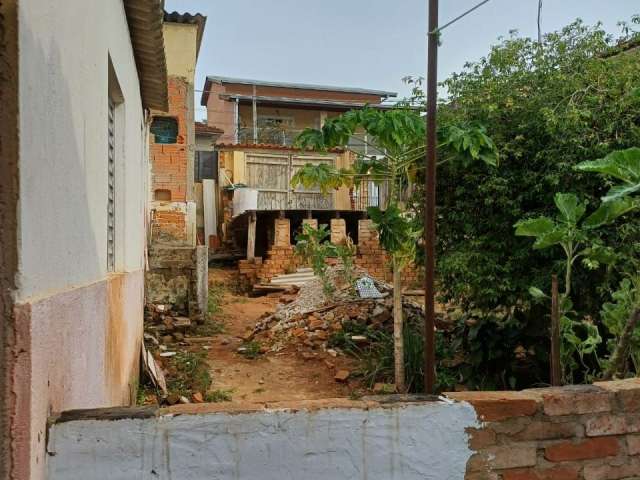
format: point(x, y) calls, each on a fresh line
point(170, 164)
point(589, 432)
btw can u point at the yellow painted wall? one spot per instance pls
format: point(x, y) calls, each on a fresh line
point(180, 48)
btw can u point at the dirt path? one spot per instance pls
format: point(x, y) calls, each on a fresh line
point(284, 375)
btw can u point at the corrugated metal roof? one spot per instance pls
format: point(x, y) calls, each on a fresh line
point(300, 86)
point(145, 29)
point(189, 19)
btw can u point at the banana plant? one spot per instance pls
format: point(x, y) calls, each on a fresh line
point(623, 197)
point(397, 139)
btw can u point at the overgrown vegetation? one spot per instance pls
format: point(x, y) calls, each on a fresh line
point(313, 247)
point(251, 349)
point(188, 373)
point(548, 107)
point(219, 395)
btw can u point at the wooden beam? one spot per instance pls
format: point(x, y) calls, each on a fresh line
point(251, 237)
point(556, 364)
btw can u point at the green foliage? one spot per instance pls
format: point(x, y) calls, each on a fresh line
point(219, 395)
point(215, 298)
point(346, 253)
point(615, 315)
point(397, 232)
point(251, 349)
point(620, 164)
point(322, 175)
point(548, 108)
point(189, 372)
point(312, 247)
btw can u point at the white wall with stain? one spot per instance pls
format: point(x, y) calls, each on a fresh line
point(425, 441)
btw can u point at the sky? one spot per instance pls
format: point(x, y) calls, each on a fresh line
point(367, 43)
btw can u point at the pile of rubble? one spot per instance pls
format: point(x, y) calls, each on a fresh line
point(166, 325)
point(309, 319)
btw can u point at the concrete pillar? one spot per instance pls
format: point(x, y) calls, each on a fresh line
point(366, 231)
point(338, 231)
point(282, 233)
point(311, 221)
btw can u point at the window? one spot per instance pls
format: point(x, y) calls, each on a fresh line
point(206, 165)
point(114, 171)
point(111, 188)
point(164, 129)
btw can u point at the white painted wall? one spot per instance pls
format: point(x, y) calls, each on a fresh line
point(64, 51)
point(424, 441)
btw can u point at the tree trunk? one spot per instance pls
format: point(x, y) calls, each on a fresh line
point(621, 353)
point(398, 338)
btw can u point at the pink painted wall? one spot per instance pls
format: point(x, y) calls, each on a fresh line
point(80, 349)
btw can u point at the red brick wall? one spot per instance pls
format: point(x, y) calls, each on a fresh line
point(169, 162)
point(589, 432)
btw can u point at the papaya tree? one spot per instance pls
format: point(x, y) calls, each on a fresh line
point(397, 136)
point(623, 196)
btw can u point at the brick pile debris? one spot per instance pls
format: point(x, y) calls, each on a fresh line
point(166, 325)
point(307, 320)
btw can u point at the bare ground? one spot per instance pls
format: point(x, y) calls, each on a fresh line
point(284, 375)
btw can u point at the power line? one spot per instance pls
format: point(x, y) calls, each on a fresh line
point(437, 30)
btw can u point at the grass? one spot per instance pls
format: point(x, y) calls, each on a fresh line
point(376, 359)
point(216, 298)
point(251, 350)
point(217, 396)
point(211, 326)
point(188, 373)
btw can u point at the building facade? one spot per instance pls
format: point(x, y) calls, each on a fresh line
point(74, 216)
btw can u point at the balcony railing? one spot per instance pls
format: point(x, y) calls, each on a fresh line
point(286, 136)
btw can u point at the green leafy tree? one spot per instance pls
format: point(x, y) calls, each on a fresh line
point(398, 136)
point(624, 167)
point(547, 107)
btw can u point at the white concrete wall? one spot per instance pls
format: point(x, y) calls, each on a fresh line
point(425, 441)
point(64, 52)
point(80, 326)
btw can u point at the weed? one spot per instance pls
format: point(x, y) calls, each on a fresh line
point(216, 297)
point(210, 327)
point(217, 396)
point(355, 395)
point(251, 350)
point(189, 372)
point(259, 390)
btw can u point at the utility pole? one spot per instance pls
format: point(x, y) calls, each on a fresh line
point(430, 201)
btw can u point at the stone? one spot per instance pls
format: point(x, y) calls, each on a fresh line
point(332, 352)
point(173, 398)
point(384, 388)
point(179, 337)
point(497, 406)
point(612, 425)
point(554, 473)
point(197, 397)
point(599, 447)
point(359, 339)
point(523, 455)
point(184, 400)
point(181, 323)
point(342, 376)
point(576, 400)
